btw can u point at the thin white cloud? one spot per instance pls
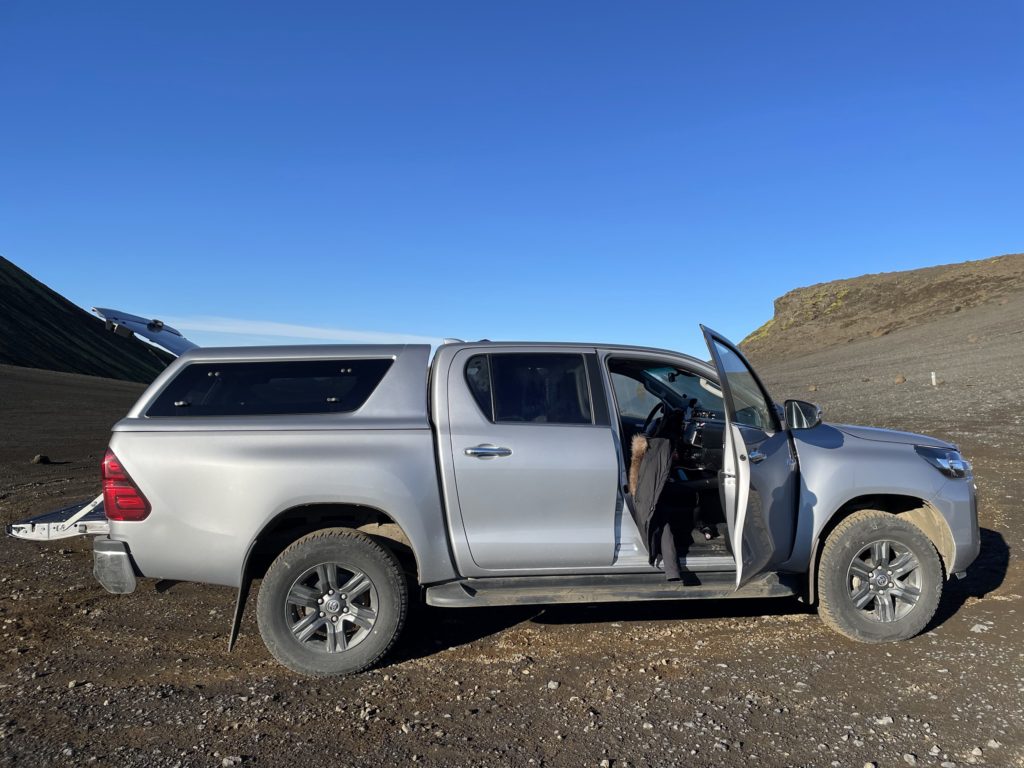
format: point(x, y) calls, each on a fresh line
point(269, 329)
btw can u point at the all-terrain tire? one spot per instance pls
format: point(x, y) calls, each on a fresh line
point(302, 593)
point(863, 599)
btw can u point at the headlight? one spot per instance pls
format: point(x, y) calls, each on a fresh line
point(947, 460)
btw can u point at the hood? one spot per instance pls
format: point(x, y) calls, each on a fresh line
point(891, 436)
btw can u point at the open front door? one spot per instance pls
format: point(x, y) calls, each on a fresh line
point(758, 481)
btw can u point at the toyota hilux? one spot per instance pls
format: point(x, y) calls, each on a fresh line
point(351, 480)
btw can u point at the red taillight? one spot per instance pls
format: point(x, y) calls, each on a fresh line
point(122, 499)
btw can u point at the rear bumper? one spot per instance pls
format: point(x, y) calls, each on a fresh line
point(112, 566)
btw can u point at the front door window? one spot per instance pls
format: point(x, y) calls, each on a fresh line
point(748, 405)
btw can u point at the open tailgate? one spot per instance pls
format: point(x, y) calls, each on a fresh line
point(83, 519)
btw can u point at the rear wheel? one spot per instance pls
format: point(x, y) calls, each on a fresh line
point(880, 578)
point(333, 603)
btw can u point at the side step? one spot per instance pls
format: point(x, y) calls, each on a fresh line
point(82, 519)
point(604, 588)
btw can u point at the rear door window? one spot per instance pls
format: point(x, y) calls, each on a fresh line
point(270, 388)
point(544, 388)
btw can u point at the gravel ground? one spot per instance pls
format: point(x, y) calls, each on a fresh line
point(146, 679)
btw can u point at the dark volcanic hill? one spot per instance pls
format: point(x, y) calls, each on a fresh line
point(872, 306)
point(39, 328)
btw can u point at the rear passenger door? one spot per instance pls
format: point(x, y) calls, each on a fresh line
point(536, 470)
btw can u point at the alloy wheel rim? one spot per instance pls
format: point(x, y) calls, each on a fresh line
point(884, 581)
point(331, 608)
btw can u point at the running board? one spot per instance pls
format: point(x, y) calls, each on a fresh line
point(604, 588)
point(82, 519)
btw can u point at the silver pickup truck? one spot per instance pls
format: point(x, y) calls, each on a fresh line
point(353, 479)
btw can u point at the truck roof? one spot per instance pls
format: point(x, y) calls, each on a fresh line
point(298, 351)
point(314, 351)
point(628, 349)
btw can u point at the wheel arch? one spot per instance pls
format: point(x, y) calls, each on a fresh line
point(293, 523)
point(911, 508)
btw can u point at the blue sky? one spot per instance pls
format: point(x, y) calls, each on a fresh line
point(541, 170)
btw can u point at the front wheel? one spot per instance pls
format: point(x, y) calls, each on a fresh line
point(880, 578)
point(333, 603)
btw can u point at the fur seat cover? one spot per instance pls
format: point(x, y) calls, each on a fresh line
point(638, 449)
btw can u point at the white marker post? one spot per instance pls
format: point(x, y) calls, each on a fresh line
point(934, 383)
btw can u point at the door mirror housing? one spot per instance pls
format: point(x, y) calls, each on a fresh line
point(802, 415)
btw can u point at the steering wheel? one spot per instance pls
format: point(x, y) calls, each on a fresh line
point(649, 421)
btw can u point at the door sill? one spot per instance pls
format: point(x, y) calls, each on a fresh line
point(689, 563)
point(603, 588)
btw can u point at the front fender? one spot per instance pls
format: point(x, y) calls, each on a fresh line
point(837, 469)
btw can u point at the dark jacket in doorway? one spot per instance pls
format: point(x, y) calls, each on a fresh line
point(649, 471)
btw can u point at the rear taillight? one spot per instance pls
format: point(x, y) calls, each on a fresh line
point(122, 499)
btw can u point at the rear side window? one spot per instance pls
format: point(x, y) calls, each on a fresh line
point(478, 376)
point(546, 388)
point(270, 388)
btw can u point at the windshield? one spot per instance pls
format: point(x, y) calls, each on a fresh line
point(686, 386)
point(638, 385)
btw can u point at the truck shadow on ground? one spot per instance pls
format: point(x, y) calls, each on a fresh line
point(985, 575)
point(432, 630)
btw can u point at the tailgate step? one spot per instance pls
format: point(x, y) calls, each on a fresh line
point(603, 588)
point(83, 519)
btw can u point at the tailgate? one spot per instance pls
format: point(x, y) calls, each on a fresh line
point(82, 519)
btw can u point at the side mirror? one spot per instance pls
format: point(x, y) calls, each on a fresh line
point(802, 415)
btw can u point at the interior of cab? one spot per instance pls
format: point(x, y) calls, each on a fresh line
point(655, 399)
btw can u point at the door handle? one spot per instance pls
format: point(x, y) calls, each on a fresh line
point(488, 451)
point(756, 456)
